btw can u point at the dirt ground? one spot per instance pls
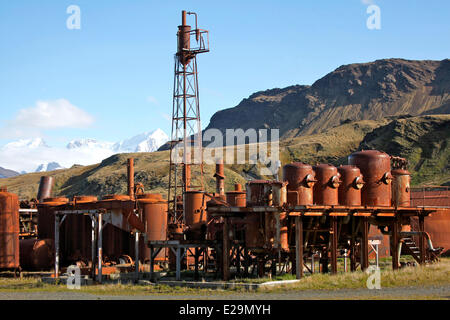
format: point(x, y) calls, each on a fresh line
point(408, 293)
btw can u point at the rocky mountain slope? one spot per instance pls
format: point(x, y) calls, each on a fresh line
point(363, 91)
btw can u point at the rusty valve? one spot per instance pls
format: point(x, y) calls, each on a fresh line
point(309, 181)
point(335, 181)
point(358, 183)
point(387, 177)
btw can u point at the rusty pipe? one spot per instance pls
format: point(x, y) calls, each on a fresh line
point(130, 173)
point(220, 177)
point(45, 188)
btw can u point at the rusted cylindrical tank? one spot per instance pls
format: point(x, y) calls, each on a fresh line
point(254, 230)
point(184, 42)
point(37, 254)
point(9, 230)
point(301, 179)
point(46, 216)
point(401, 193)
point(266, 193)
point(375, 167)
point(154, 215)
point(195, 213)
point(45, 188)
point(326, 188)
point(350, 188)
point(236, 198)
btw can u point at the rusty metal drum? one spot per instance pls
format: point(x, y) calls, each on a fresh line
point(401, 185)
point(46, 216)
point(153, 209)
point(351, 184)
point(266, 193)
point(301, 179)
point(375, 167)
point(9, 230)
point(37, 254)
point(195, 209)
point(45, 188)
point(326, 188)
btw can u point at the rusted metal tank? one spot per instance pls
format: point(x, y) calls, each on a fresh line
point(46, 216)
point(301, 179)
point(401, 193)
point(350, 188)
point(153, 209)
point(37, 254)
point(254, 231)
point(326, 188)
point(375, 167)
point(236, 198)
point(195, 213)
point(45, 188)
point(9, 230)
point(184, 41)
point(266, 193)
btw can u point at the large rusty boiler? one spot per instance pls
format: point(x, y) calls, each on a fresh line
point(301, 179)
point(375, 167)
point(401, 193)
point(37, 254)
point(9, 230)
point(45, 188)
point(46, 216)
point(195, 214)
point(153, 210)
point(351, 184)
point(266, 193)
point(76, 232)
point(326, 188)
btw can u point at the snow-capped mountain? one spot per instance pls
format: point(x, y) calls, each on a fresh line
point(34, 155)
point(48, 167)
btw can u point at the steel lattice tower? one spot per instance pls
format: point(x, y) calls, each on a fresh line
point(186, 139)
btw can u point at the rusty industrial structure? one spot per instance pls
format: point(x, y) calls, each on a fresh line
point(314, 214)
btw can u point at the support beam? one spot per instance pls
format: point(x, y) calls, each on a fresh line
point(395, 244)
point(298, 247)
point(334, 241)
point(365, 244)
point(225, 251)
point(100, 246)
point(422, 239)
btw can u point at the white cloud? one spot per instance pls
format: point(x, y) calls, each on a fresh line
point(46, 115)
point(152, 100)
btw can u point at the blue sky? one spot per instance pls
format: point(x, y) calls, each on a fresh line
point(116, 72)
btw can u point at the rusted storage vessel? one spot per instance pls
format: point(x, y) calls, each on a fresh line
point(45, 188)
point(254, 231)
point(350, 188)
point(46, 216)
point(266, 193)
point(401, 195)
point(236, 198)
point(375, 167)
point(37, 254)
point(301, 179)
point(9, 230)
point(195, 214)
point(326, 188)
point(153, 210)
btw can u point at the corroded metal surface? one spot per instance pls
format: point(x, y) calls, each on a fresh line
point(401, 188)
point(45, 188)
point(37, 254)
point(350, 188)
point(326, 188)
point(300, 178)
point(9, 229)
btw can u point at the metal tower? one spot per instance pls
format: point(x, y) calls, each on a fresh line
point(186, 139)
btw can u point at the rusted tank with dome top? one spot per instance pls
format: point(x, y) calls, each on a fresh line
point(46, 216)
point(375, 167)
point(9, 230)
point(300, 178)
point(401, 185)
point(195, 214)
point(153, 212)
point(326, 188)
point(351, 184)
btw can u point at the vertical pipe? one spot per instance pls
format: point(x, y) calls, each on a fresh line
point(45, 188)
point(220, 176)
point(196, 263)
point(178, 262)
point(130, 172)
point(334, 236)
point(187, 176)
point(100, 246)
point(298, 247)
point(395, 246)
point(57, 245)
point(353, 247)
point(151, 260)
point(93, 242)
point(345, 260)
point(422, 239)
point(136, 255)
point(365, 244)
point(225, 251)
